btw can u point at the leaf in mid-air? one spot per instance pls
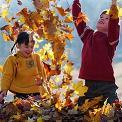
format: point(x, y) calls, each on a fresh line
point(81, 17)
point(68, 19)
point(4, 13)
point(1, 68)
point(61, 11)
point(120, 12)
point(8, 1)
point(5, 37)
point(79, 88)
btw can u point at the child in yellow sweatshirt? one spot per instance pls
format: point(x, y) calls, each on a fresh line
point(23, 72)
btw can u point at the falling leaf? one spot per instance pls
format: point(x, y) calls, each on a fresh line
point(1, 68)
point(19, 2)
point(120, 12)
point(58, 48)
point(68, 67)
point(68, 19)
point(6, 27)
point(81, 17)
point(61, 11)
point(79, 88)
point(5, 37)
point(8, 1)
point(4, 13)
point(67, 29)
point(69, 36)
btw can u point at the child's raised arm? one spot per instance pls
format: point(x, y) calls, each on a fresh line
point(113, 27)
point(76, 9)
point(80, 20)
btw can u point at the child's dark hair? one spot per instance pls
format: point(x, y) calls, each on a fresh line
point(23, 37)
point(104, 12)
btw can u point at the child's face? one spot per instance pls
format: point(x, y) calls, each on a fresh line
point(26, 50)
point(102, 24)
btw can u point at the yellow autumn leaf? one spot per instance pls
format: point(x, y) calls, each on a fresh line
point(107, 110)
point(50, 54)
point(1, 68)
point(79, 88)
point(36, 108)
point(120, 12)
point(40, 119)
point(68, 67)
point(4, 13)
point(57, 79)
point(58, 49)
point(8, 1)
point(68, 19)
point(5, 37)
point(36, 45)
point(22, 19)
point(65, 87)
point(58, 104)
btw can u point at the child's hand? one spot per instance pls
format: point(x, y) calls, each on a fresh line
point(39, 81)
point(114, 2)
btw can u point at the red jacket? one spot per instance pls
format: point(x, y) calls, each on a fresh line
point(98, 48)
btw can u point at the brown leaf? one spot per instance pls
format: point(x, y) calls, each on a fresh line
point(61, 11)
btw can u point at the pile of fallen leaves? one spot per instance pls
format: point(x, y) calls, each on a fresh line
point(34, 109)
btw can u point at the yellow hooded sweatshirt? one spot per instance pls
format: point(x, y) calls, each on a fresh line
point(19, 73)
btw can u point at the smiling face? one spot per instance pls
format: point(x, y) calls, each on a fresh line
point(102, 24)
point(26, 50)
point(25, 44)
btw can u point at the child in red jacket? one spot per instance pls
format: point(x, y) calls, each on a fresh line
point(98, 50)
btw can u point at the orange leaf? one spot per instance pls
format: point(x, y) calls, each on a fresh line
point(68, 19)
point(69, 36)
point(81, 17)
point(61, 11)
point(1, 68)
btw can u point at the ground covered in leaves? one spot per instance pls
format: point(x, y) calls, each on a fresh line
point(36, 110)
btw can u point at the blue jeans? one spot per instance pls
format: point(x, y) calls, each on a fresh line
point(97, 88)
